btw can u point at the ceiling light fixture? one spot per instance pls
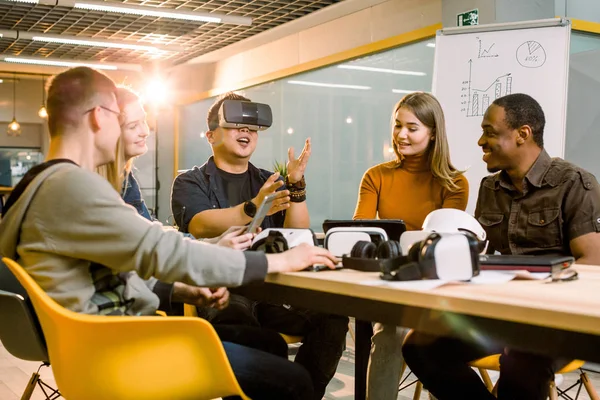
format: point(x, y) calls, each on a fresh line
point(14, 128)
point(70, 63)
point(156, 93)
point(330, 85)
point(93, 43)
point(383, 70)
point(43, 113)
point(82, 41)
point(431, 45)
point(403, 91)
point(145, 11)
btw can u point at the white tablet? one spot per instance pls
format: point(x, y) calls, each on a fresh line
point(261, 213)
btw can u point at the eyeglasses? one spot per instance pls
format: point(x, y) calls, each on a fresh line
point(120, 115)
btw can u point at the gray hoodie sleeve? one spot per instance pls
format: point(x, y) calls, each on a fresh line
point(90, 221)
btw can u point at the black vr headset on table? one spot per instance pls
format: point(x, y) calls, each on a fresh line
point(236, 114)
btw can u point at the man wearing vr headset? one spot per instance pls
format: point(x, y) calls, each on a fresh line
point(226, 191)
point(533, 204)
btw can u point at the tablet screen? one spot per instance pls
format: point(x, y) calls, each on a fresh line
point(393, 227)
point(261, 213)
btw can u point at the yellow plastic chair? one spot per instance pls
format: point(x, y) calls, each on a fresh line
point(130, 358)
point(492, 363)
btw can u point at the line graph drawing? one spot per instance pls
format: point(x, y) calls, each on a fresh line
point(475, 101)
point(531, 54)
point(486, 53)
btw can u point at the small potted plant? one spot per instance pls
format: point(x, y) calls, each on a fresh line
point(281, 168)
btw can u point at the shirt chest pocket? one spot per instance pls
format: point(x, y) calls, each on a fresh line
point(495, 230)
point(543, 228)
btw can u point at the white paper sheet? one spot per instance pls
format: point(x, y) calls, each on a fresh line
point(484, 278)
point(492, 277)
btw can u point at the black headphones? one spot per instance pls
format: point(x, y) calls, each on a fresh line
point(417, 265)
point(367, 256)
point(385, 249)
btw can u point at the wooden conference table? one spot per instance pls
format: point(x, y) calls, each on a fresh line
point(560, 319)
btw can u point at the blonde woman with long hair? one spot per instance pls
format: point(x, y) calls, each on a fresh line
point(421, 179)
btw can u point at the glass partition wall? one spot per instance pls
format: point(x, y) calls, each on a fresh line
point(346, 110)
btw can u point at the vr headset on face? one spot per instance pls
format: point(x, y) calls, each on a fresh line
point(238, 114)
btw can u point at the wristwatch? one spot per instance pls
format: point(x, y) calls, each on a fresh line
point(250, 209)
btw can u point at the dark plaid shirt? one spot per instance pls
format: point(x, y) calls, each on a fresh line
point(559, 202)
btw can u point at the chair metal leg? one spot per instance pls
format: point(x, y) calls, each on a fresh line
point(49, 392)
point(402, 369)
point(562, 393)
point(402, 386)
point(54, 393)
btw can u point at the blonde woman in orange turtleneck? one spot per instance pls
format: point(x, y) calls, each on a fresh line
point(420, 180)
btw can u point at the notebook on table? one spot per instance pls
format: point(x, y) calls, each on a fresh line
point(543, 263)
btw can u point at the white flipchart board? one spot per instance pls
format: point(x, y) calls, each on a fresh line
point(475, 65)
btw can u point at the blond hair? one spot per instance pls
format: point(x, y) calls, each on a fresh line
point(117, 171)
point(428, 110)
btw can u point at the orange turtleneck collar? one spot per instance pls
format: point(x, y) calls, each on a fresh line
point(416, 163)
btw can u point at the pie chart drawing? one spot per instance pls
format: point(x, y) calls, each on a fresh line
point(531, 54)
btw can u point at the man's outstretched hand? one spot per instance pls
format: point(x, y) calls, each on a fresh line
point(297, 166)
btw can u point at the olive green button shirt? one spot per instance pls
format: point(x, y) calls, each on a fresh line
point(559, 202)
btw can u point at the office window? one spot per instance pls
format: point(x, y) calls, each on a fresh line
point(15, 162)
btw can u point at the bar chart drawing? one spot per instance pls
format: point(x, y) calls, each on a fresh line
point(478, 100)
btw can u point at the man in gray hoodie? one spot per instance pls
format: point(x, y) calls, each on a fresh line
point(77, 238)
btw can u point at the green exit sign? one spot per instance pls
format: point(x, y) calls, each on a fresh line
point(468, 18)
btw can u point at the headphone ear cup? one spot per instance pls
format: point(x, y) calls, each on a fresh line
point(414, 252)
point(427, 256)
point(388, 249)
point(363, 249)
